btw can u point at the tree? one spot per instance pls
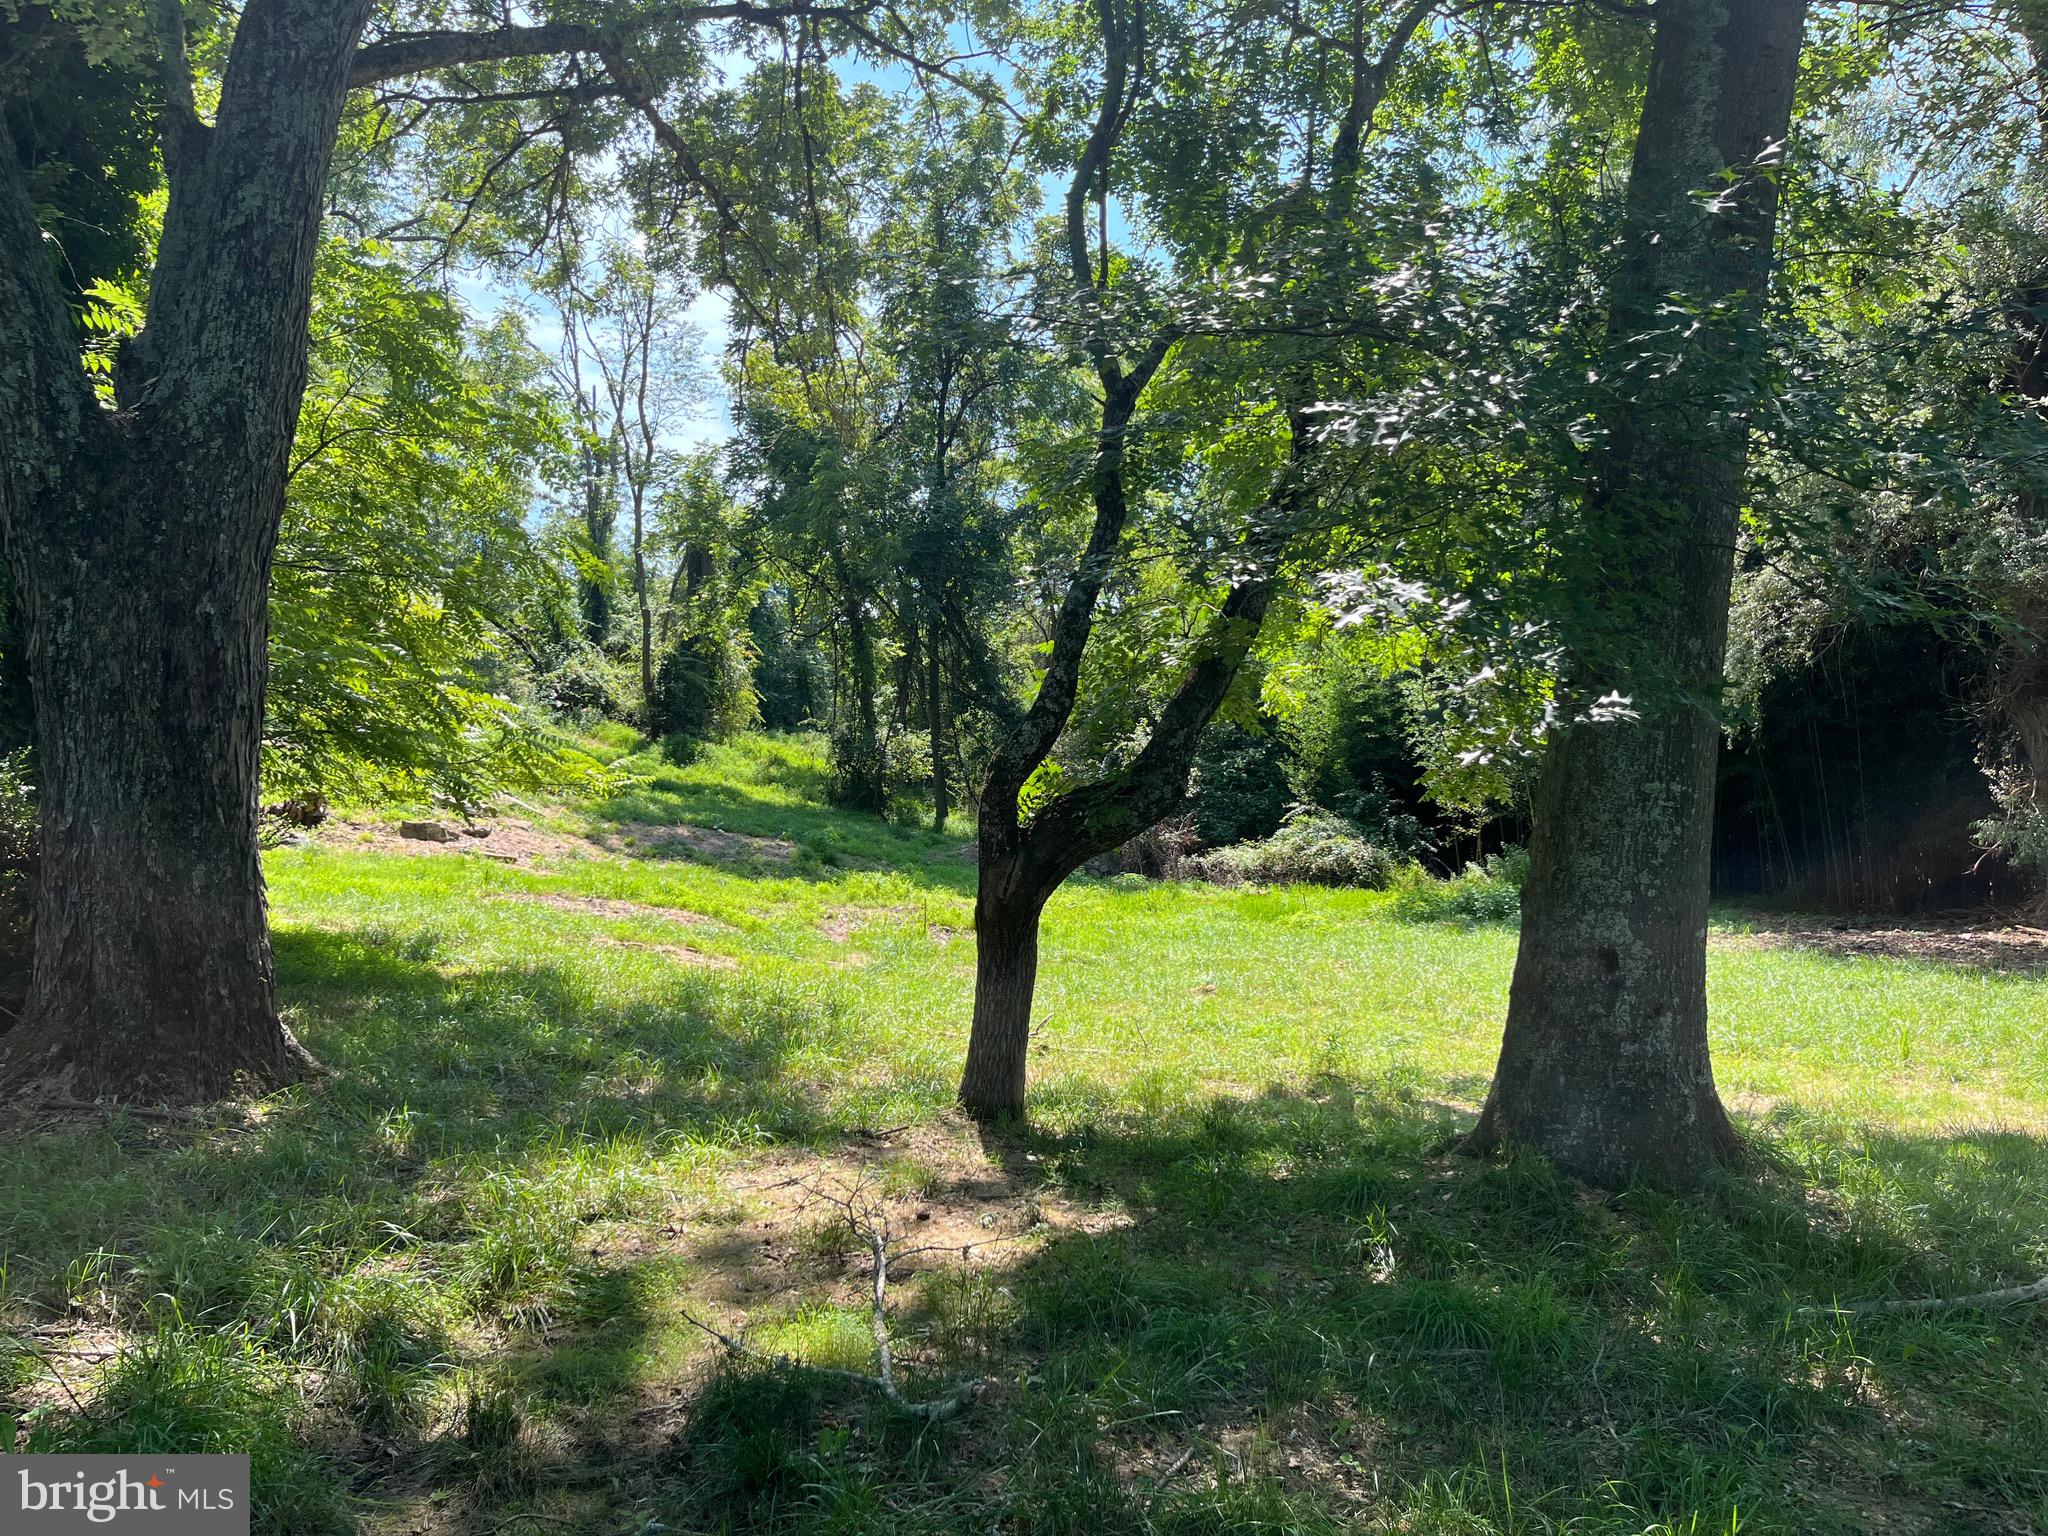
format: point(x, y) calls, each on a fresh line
point(404, 568)
point(625, 323)
point(1224, 344)
point(1604, 1066)
point(141, 536)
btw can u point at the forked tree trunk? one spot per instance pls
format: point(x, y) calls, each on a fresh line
point(1023, 863)
point(1604, 1067)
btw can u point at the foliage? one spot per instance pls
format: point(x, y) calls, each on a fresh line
point(1240, 786)
point(405, 558)
point(789, 675)
point(1311, 847)
point(704, 691)
point(1486, 891)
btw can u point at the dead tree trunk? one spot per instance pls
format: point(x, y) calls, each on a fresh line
point(1604, 1066)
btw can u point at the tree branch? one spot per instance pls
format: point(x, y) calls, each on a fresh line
point(871, 1224)
point(415, 53)
point(2010, 1296)
point(184, 134)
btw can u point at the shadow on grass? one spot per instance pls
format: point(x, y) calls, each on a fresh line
point(309, 1287)
point(1292, 1316)
point(1305, 1321)
point(480, 1058)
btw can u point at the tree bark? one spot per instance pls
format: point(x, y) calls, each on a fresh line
point(647, 704)
point(152, 976)
point(1604, 1066)
point(599, 515)
point(935, 720)
point(1007, 910)
point(140, 540)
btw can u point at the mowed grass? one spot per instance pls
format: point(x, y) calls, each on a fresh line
point(1235, 1283)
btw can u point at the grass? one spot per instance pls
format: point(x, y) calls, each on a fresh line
point(1233, 1285)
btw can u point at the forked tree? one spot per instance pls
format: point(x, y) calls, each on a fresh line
point(1604, 1066)
point(1024, 858)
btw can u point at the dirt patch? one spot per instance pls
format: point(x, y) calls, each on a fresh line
point(1982, 941)
point(67, 1365)
point(682, 954)
point(502, 842)
point(786, 1236)
point(841, 923)
point(713, 846)
point(599, 906)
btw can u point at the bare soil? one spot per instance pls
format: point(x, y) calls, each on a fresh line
point(1980, 940)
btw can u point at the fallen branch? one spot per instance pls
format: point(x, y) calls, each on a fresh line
point(116, 1107)
point(931, 1410)
point(2009, 1296)
point(871, 1224)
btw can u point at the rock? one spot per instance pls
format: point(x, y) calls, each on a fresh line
point(476, 829)
point(425, 832)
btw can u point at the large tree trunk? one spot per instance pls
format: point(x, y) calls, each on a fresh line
point(1604, 1066)
point(152, 975)
point(2018, 701)
point(1006, 917)
point(140, 541)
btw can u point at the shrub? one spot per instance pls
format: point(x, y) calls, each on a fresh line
point(1312, 847)
point(588, 682)
point(704, 691)
point(1489, 891)
point(1158, 853)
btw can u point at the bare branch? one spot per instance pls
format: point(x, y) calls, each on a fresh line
point(869, 1221)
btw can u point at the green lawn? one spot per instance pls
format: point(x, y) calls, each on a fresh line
point(1228, 1281)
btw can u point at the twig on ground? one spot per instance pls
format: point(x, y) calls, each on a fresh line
point(530, 1514)
point(115, 1107)
point(870, 1222)
point(2009, 1296)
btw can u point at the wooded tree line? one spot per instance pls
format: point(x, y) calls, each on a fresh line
point(1114, 386)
